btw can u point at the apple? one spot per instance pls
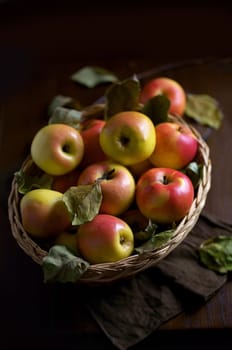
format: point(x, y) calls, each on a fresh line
point(139, 168)
point(62, 183)
point(57, 148)
point(90, 132)
point(67, 239)
point(106, 238)
point(169, 87)
point(164, 195)
point(135, 219)
point(118, 185)
point(128, 137)
point(43, 213)
point(176, 146)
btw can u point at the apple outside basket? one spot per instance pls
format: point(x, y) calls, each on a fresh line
point(108, 272)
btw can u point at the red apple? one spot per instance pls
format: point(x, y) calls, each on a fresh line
point(63, 182)
point(135, 219)
point(169, 87)
point(118, 187)
point(57, 148)
point(164, 195)
point(90, 132)
point(139, 168)
point(176, 146)
point(105, 239)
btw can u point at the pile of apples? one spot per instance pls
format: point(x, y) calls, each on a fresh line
point(137, 165)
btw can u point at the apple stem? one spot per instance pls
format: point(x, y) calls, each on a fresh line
point(165, 180)
point(107, 175)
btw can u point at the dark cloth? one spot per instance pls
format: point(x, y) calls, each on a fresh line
point(128, 311)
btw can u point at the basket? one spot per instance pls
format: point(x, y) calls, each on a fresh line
point(108, 272)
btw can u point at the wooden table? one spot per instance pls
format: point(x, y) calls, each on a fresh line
point(40, 51)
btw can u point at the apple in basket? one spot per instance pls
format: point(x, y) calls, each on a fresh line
point(43, 213)
point(164, 195)
point(128, 137)
point(176, 146)
point(62, 183)
point(117, 185)
point(90, 133)
point(169, 87)
point(57, 148)
point(106, 238)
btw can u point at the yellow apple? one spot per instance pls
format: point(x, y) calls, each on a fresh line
point(128, 137)
point(57, 149)
point(43, 213)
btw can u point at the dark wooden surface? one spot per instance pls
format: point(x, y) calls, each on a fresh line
point(40, 48)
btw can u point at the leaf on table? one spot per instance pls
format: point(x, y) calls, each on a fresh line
point(204, 109)
point(83, 202)
point(62, 101)
point(157, 109)
point(194, 171)
point(156, 241)
point(62, 115)
point(27, 182)
point(122, 96)
point(61, 265)
point(93, 76)
point(216, 253)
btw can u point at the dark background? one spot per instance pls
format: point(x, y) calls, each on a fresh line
point(41, 44)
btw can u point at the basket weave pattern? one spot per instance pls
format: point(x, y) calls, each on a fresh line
point(107, 272)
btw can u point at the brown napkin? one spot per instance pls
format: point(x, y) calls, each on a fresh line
point(128, 311)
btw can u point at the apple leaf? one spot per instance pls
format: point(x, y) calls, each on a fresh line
point(61, 265)
point(216, 253)
point(194, 171)
point(27, 182)
point(83, 202)
point(67, 116)
point(156, 241)
point(62, 101)
point(93, 76)
point(122, 96)
point(147, 233)
point(204, 109)
point(156, 108)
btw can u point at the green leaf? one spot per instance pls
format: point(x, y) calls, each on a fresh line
point(93, 76)
point(62, 101)
point(27, 182)
point(194, 171)
point(122, 96)
point(204, 109)
point(67, 116)
point(61, 265)
point(83, 202)
point(216, 253)
point(156, 241)
point(147, 233)
point(157, 109)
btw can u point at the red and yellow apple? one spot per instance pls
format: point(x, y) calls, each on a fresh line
point(62, 183)
point(57, 148)
point(43, 213)
point(164, 195)
point(139, 168)
point(168, 87)
point(105, 239)
point(128, 137)
point(176, 146)
point(118, 185)
point(90, 132)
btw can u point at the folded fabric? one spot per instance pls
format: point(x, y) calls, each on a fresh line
point(129, 310)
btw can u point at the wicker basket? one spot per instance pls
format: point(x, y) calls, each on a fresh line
point(108, 272)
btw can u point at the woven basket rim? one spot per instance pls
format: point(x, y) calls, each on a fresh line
point(108, 272)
